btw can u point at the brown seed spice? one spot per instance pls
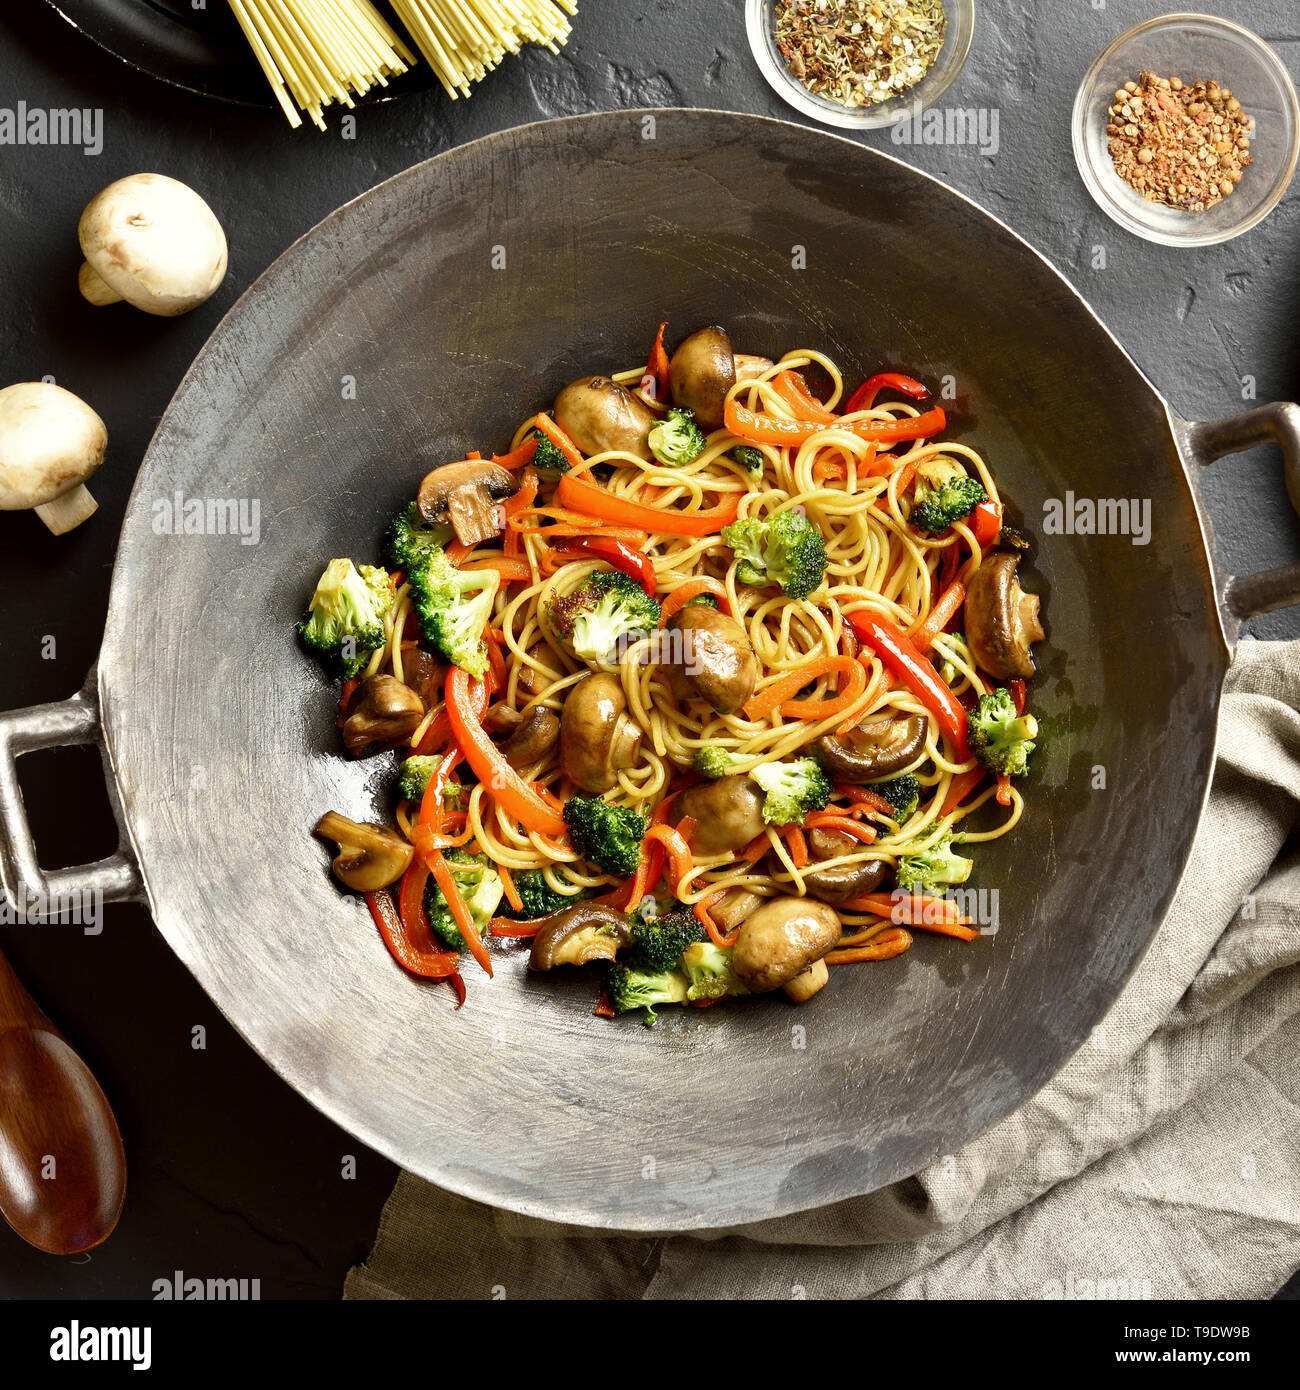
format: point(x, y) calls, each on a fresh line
point(1184, 145)
point(859, 52)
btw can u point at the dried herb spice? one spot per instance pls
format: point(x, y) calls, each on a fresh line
point(859, 52)
point(1181, 144)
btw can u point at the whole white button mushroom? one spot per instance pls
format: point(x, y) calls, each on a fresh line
point(50, 443)
point(154, 242)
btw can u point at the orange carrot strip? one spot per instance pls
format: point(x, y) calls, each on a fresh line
point(518, 458)
point(562, 442)
point(702, 915)
point(826, 820)
point(460, 913)
point(761, 705)
point(756, 848)
point(941, 615)
point(1004, 790)
point(345, 695)
point(794, 838)
point(520, 502)
point(884, 947)
point(904, 909)
point(850, 694)
point(693, 588)
point(680, 862)
point(512, 893)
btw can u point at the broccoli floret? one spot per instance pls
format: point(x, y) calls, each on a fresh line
point(660, 941)
point(793, 789)
point(710, 972)
point(413, 778)
point(549, 457)
point(750, 459)
point(949, 673)
point(630, 988)
point(999, 738)
point(718, 762)
point(454, 606)
point(410, 541)
point(538, 897)
point(705, 600)
point(935, 870)
point(677, 439)
point(945, 493)
point(787, 550)
point(903, 794)
point(610, 836)
point(482, 890)
point(345, 620)
point(608, 607)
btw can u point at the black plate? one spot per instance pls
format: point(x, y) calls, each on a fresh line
point(203, 51)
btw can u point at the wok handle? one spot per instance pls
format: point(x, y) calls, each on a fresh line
point(1247, 596)
point(35, 893)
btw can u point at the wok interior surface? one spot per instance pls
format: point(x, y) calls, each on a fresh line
point(223, 734)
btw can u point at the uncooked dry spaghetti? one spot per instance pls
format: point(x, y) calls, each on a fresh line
point(316, 53)
point(723, 673)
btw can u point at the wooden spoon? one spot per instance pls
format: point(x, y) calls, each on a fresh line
point(62, 1166)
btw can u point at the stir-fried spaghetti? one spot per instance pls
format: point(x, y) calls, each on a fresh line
point(874, 645)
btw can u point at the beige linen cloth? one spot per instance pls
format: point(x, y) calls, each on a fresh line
point(1163, 1161)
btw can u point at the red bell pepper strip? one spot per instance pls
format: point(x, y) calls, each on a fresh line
point(793, 390)
point(658, 364)
point(865, 396)
point(904, 661)
point(505, 785)
point(412, 953)
point(986, 523)
point(579, 495)
point(435, 790)
point(631, 562)
point(762, 428)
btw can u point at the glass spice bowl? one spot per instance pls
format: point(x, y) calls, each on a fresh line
point(1195, 48)
point(760, 23)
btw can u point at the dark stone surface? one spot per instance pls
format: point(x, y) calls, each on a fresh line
point(232, 1174)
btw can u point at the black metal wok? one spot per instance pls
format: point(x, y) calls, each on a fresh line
point(220, 737)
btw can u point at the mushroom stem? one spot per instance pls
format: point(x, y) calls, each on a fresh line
point(95, 288)
point(66, 513)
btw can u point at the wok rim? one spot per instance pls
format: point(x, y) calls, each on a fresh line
point(484, 1188)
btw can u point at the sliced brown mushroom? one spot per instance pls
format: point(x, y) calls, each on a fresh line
point(877, 748)
point(382, 713)
point(702, 371)
point(423, 673)
point(578, 935)
point(729, 812)
point(370, 856)
point(531, 680)
point(732, 910)
point(808, 982)
point(715, 662)
point(601, 416)
point(781, 940)
point(537, 734)
point(1002, 620)
point(466, 494)
point(837, 884)
point(750, 368)
point(597, 739)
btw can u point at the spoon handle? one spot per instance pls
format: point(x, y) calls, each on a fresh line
point(62, 1164)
